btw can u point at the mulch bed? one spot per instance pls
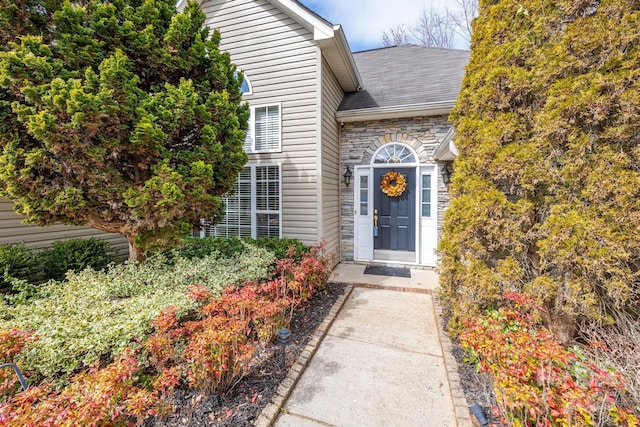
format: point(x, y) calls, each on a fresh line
point(241, 405)
point(477, 386)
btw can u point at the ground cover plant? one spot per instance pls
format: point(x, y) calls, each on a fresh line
point(204, 343)
point(539, 382)
point(96, 313)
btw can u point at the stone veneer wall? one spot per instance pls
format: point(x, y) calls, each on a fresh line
point(360, 140)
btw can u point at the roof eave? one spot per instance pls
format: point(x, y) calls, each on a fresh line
point(332, 41)
point(395, 112)
point(337, 52)
point(447, 150)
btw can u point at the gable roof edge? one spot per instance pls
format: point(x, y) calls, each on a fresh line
point(330, 38)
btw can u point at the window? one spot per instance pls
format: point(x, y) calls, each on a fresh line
point(364, 195)
point(264, 133)
point(426, 195)
point(394, 153)
point(245, 87)
point(254, 209)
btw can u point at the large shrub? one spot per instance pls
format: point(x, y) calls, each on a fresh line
point(76, 255)
point(121, 115)
point(546, 188)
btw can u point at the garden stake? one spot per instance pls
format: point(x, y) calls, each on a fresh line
point(23, 382)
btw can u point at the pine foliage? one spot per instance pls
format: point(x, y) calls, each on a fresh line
point(122, 115)
point(546, 189)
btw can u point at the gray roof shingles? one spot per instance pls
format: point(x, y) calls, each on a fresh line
point(406, 75)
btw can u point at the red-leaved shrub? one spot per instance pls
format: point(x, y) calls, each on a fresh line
point(537, 381)
point(11, 343)
point(109, 396)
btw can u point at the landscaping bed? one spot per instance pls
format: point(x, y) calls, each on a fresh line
point(186, 337)
point(521, 375)
point(242, 404)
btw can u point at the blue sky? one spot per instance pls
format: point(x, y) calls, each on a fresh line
point(364, 20)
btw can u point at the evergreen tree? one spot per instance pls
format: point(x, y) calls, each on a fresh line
point(122, 115)
point(546, 189)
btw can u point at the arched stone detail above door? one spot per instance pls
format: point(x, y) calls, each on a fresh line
point(393, 138)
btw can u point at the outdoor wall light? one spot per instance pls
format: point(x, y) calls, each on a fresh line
point(478, 412)
point(447, 170)
point(347, 176)
point(284, 339)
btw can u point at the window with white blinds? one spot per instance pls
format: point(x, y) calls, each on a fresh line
point(264, 131)
point(254, 208)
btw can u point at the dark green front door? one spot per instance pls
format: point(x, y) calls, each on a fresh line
point(396, 215)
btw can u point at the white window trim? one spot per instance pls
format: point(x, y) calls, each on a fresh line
point(246, 79)
point(254, 193)
point(431, 176)
point(251, 131)
point(254, 198)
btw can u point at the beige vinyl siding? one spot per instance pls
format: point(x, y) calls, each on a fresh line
point(12, 230)
point(279, 56)
point(331, 97)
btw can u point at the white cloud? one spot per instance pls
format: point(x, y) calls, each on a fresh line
point(364, 20)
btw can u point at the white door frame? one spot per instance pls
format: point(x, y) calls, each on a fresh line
point(363, 224)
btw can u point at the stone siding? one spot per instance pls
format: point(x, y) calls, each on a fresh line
point(360, 140)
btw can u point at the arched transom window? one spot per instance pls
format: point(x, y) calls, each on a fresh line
point(394, 153)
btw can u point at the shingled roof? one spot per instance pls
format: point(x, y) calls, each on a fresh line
point(406, 75)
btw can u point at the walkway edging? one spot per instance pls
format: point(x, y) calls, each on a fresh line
point(270, 413)
point(460, 404)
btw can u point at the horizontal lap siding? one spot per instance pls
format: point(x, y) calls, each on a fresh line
point(279, 57)
point(12, 230)
point(331, 97)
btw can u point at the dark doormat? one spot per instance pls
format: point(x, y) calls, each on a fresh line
point(387, 271)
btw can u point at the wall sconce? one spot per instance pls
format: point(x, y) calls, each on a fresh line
point(347, 176)
point(447, 170)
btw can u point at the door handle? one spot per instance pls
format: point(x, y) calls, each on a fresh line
point(375, 223)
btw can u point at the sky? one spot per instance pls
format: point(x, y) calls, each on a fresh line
point(363, 21)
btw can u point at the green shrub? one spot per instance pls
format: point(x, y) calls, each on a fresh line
point(280, 247)
point(547, 181)
point(76, 255)
point(17, 261)
point(195, 247)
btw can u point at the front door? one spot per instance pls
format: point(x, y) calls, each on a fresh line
point(396, 220)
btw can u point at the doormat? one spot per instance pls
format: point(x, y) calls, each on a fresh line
point(387, 271)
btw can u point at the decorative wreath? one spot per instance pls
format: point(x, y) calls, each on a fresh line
point(393, 184)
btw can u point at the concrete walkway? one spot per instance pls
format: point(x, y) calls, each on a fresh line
point(381, 363)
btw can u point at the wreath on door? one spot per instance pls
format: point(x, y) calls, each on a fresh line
point(393, 184)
